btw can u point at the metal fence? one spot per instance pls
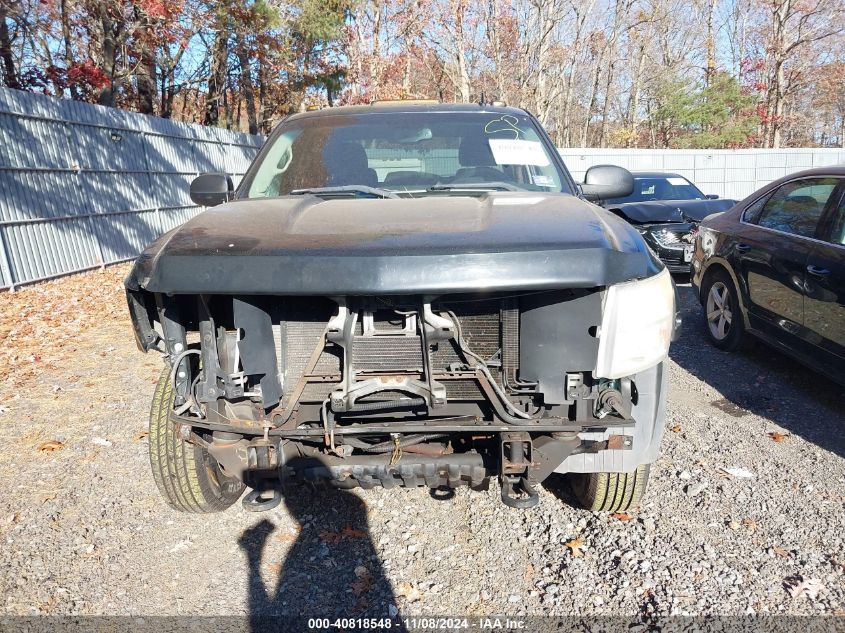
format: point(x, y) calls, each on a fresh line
point(84, 185)
point(726, 173)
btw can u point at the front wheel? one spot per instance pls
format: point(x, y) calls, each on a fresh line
point(189, 479)
point(611, 492)
point(725, 328)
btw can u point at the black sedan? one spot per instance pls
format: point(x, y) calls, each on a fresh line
point(773, 267)
point(666, 209)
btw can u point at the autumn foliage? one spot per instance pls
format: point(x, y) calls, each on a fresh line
point(632, 73)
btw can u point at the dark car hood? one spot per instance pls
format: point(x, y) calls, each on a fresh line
point(671, 210)
point(307, 245)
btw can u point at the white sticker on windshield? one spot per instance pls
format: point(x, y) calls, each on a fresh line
point(543, 180)
point(674, 180)
point(518, 152)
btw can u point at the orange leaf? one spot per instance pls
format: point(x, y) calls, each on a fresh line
point(49, 446)
point(575, 546)
point(286, 537)
point(330, 537)
point(350, 532)
point(777, 436)
point(675, 429)
point(140, 435)
point(622, 516)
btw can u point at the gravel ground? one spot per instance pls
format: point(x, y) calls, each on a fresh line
point(83, 530)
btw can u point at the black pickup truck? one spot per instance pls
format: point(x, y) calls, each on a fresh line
point(404, 294)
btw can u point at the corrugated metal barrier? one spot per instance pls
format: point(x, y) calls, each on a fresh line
point(83, 185)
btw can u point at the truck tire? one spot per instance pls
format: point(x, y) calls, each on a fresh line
point(188, 478)
point(611, 492)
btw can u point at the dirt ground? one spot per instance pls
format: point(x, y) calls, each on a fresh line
point(83, 529)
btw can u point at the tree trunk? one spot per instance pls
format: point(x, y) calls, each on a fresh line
point(608, 95)
point(10, 73)
point(464, 90)
point(247, 89)
point(69, 61)
point(146, 78)
point(592, 103)
point(634, 102)
point(108, 55)
point(217, 78)
point(710, 70)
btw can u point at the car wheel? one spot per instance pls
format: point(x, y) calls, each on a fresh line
point(722, 313)
point(611, 492)
point(189, 479)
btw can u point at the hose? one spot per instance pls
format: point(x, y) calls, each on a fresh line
point(482, 367)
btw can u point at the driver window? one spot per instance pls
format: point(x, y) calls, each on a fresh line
point(796, 207)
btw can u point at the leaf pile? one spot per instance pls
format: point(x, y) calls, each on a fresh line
point(40, 324)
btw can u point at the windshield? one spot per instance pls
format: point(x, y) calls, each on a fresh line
point(405, 152)
point(661, 188)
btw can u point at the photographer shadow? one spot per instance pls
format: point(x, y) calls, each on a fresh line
point(332, 569)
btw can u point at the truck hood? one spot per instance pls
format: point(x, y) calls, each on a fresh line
point(671, 210)
point(437, 244)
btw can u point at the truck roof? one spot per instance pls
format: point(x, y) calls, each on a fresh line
point(380, 107)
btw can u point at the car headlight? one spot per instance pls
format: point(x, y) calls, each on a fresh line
point(636, 326)
point(668, 239)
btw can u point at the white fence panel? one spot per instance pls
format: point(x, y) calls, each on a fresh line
point(726, 173)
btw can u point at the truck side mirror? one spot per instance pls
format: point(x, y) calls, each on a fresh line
point(209, 190)
point(607, 181)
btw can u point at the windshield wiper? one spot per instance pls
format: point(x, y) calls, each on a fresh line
point(497, 185)
point(372, 192)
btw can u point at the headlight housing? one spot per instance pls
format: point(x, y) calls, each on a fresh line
point(636, 326)
point(667, 238)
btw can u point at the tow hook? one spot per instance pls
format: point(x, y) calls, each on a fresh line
point(516, 461)
point(261, 500)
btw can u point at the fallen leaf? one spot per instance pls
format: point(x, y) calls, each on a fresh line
point(350, 532)
point(575, 545)
point(622, 516)
point(779, 551)
point(777, 436)
point(408, 591)
point(49, 446)
point(286, 537)
point(140, 435)
point(738, 472)
point(749, 523)
point(362, 585)
point(797, 586)
point(734, 525)
point(675, 429)
point(330, 537)
point(346, 532)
